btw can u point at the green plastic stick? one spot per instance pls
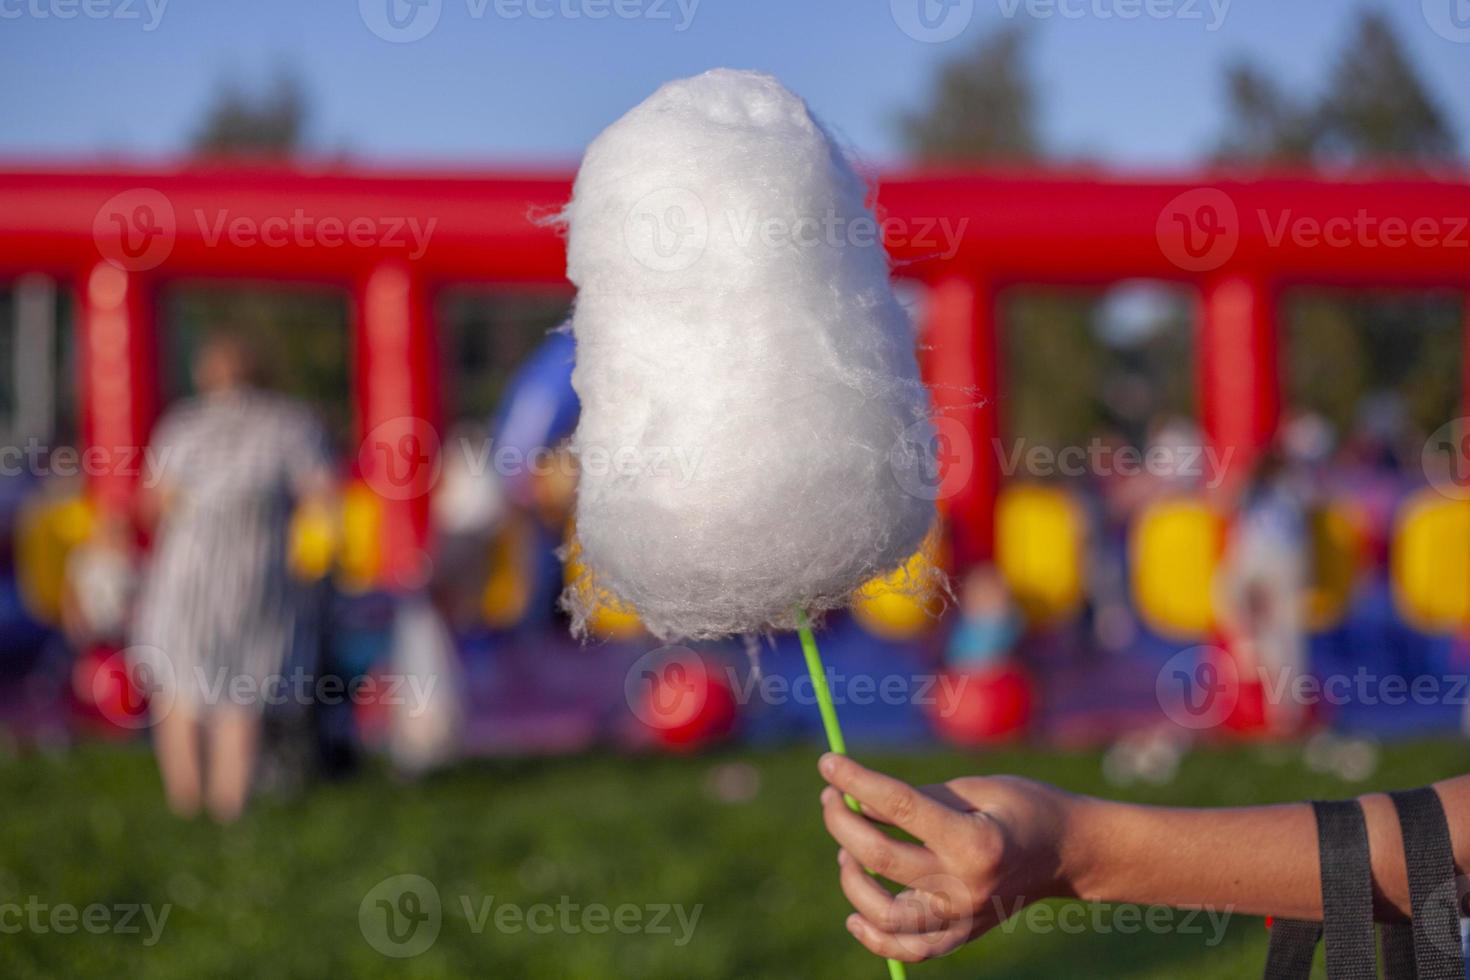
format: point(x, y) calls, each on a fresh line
point(818, 674)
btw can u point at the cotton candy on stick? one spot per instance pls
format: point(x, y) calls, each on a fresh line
point(753, 439)
point(752, 419)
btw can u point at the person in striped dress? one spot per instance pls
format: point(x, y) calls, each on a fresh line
point(217, 609)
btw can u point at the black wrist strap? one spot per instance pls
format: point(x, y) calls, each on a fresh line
point(1398, 951)
point(1426, 948)
point(1433, 896)
point(1347, 904)
point(1347, 890)
point(1293, 944)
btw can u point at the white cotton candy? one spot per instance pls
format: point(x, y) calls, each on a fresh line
point(753, 436)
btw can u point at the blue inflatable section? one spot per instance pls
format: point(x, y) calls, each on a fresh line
point(539, 407)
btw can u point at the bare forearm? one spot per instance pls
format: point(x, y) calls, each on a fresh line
point(1254, 860)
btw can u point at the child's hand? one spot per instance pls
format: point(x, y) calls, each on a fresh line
point(988, 846)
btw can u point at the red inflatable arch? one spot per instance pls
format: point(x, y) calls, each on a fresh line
point(116, 234)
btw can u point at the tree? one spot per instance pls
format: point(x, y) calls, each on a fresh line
point(1375, 110)
point(983, 107)
point(269, 124)
point(1265, 124)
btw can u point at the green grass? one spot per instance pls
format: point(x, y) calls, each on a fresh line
point(279, 894)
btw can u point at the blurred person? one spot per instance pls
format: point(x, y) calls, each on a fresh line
point(100, 584)
point(1262, 591)
point(1178, 442)
point(468, 507)
point(989, 623)
point(1370, 467)
point(986, 693)
point(216, 614)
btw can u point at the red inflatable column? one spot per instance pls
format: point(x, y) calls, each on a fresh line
point(1240, 393)
point(960, 354)
point(116, 379)
point(398, 454)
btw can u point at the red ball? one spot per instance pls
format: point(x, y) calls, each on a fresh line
point(687, 705)
point(973, 707)
point(104, 690)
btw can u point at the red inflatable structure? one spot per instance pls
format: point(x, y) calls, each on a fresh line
point(115, 235)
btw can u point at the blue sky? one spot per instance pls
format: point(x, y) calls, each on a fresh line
point(490, 83)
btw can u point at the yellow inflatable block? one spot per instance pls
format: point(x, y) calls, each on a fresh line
point(1175, 549)
point(1431, 562)
point(313, 542)
point(906, 601)
point(46, 530)
point(360, 561)
point(610, 619)
point(1338, 555)
point(1040, 536)
point(507, 591)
